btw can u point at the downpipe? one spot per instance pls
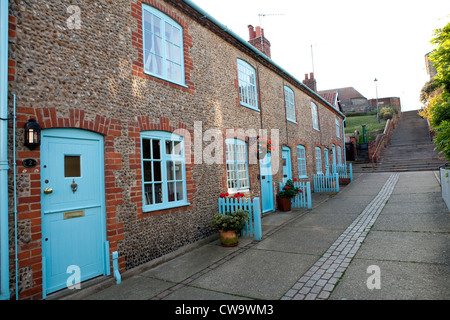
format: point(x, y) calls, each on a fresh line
point(4, 167)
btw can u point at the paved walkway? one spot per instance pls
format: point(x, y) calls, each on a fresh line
point(394, 221)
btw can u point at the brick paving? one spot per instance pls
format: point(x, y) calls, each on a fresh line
point(319, 281)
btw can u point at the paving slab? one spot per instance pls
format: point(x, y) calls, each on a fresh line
point(191, 263)
point(257, 274)
point(428, 247)
point(194, 293)
point(398, 281)
point(414, 222)
point(134, 288)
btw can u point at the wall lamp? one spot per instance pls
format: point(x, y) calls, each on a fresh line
point(32, 134)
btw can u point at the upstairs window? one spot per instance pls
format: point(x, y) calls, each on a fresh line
point(163, 46)
point(290, 104)
point(247, 85)
point(315, 116)
point(338, 128)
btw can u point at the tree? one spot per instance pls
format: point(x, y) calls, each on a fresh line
point(436, 93)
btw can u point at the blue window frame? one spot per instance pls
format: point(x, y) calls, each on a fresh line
point(339, 155)
point(289, 99)
point(237, 165)
point(315, 116)
point(301, 162)
point(163, 170)
point(338, 130)
point(163, 46)
point(247, 85)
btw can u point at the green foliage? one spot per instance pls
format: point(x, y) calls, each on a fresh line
point(386, 113)
point(441, 56)
point(373, 128)
point(442, 139)
point(436, 93)
point(289, 190)
point(231, 221)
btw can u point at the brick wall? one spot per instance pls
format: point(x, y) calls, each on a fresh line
point(92, 79)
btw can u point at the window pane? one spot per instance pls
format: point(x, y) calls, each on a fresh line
point(157, 25)
point(169, 147)
point(156, 148)
point(147, 20)
point(148, 196)
point(176, 39)
point(168, 29)
point(146, 149)
point(157, 171)
point(147, 171)
point(180, 192)
point(178, 171)
point(171, 191)
point(72, 166)
point(148, 38)
point(170, 174)
point(177, 148)
point(158, 193)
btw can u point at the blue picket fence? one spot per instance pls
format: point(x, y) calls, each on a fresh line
point(342, 171)
point(326, 183)
point(253, 226)
point(303, 199)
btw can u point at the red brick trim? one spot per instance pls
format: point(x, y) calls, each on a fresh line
point(29, 203)
point(162, 124)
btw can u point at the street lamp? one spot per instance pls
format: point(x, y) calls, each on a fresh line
point(376, 89)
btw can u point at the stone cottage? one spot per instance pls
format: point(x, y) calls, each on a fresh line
point(148, 110)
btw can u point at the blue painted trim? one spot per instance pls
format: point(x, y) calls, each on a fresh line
point(115, 256)
point(164, 18)
point(4, 167)
point(247, 66)
point(235, 142)
point(165, 136)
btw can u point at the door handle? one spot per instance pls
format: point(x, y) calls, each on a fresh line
point(48, 190)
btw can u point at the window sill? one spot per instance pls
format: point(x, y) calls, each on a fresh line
point(164, 206)
point(250, 107)
point(293, 121)
point(164, 79)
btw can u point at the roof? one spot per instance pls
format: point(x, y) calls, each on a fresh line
point(219, 27)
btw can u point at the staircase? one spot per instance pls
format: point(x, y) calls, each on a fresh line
point(409, 149)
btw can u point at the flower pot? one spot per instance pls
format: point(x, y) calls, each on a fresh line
point(284, 204)
point(228, 238)
point(344, 181)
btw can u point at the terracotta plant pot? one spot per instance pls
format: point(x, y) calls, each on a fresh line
point(228, 238)
point(284, 204)
point(344, 181)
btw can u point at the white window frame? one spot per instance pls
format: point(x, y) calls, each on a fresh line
point(177, 157)
point(248, 93)
point(169, 45)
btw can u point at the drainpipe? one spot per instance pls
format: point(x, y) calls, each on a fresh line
point(4, 167)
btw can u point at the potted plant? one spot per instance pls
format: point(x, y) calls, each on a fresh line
point(230, 226)
point(285, 195)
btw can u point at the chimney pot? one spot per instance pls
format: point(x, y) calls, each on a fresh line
point(306, 76)
point(311, 75)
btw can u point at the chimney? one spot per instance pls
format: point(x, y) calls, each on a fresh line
point(257, 39)
point(310, 82)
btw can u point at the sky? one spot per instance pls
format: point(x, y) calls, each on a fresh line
point(347, 43)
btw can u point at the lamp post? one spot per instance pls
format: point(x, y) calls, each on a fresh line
point(376, 89)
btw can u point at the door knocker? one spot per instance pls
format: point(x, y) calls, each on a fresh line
point(74, 186)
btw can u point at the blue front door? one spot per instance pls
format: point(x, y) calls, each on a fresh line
point(73, 219)
point(266, 184)
point(287, 171)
